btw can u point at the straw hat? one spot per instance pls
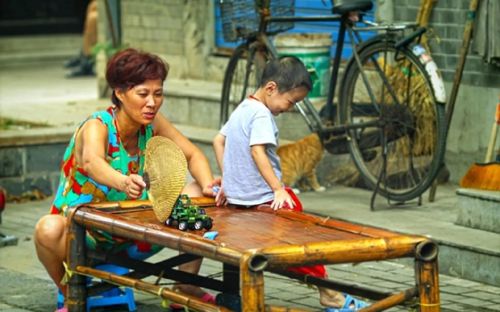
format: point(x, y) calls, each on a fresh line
point(165, 170)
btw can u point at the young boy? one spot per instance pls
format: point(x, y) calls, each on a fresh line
point(246, 146)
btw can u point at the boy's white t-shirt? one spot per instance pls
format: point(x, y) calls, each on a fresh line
point(251, 123)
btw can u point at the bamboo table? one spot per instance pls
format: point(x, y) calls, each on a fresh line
point(249, 242)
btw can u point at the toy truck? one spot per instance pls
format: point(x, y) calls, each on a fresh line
point(187, 216)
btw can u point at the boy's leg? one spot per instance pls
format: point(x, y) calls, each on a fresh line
point(327, 297)
point(313, 270)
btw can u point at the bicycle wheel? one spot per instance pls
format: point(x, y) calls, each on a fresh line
point(393, 114)
point(242, 76)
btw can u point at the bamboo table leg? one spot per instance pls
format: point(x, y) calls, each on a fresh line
point(252, 285)
point(77, 288)
point(427, 276)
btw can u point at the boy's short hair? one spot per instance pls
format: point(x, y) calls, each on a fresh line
point(288, 72)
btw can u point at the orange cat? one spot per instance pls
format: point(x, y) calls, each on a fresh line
point(299, 161)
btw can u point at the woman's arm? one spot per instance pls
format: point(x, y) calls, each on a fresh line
point(197, 162)
point(90, 153)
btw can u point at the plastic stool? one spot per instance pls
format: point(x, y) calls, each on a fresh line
point(113, 296)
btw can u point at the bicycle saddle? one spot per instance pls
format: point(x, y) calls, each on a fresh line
point(345, 6)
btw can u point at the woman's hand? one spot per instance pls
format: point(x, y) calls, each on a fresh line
point(282, 199)
point(133, 186)
point(220, 197)
point(214, 189)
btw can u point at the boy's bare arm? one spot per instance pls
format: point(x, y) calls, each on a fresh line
point(265, 168)
point(218, 144)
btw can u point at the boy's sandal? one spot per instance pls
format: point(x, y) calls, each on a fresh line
point(351, 304)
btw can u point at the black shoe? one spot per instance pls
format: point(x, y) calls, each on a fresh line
point(86, 68)
point(73, 62)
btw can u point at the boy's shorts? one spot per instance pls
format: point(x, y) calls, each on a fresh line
point(312, 270)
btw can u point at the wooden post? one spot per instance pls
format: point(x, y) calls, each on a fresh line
point(77, 285)
point(469, 24)
point(252, 284)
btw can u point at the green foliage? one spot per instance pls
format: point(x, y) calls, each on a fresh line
point(108, 48)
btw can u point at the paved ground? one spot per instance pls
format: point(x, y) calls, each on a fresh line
point(24, 285)
point(42, 94)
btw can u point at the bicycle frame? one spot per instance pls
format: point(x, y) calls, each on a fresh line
point(310, 114)
point(379, 115)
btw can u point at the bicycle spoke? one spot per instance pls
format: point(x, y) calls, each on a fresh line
point(387, 85)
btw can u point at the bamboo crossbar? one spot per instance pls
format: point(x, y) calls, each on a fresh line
point(392, 300)
point(341, 286)
point(270, 308)
point(341, 251)
point(164, 292)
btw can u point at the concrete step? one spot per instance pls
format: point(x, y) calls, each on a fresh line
point(28, 50)
point(479, 209)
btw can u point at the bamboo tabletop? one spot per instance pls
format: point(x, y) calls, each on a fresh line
point(240, 229)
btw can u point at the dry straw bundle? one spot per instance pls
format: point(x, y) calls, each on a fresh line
point(419, 101)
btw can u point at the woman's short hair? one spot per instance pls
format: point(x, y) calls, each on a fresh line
point(131, 67)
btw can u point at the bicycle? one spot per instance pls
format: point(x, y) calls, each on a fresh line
point(390, 110)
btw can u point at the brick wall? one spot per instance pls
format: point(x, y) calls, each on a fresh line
point(26, 168)
point(175, 29)
point(447, 23)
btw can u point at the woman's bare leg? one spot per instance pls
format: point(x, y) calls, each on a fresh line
point(50, 244)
